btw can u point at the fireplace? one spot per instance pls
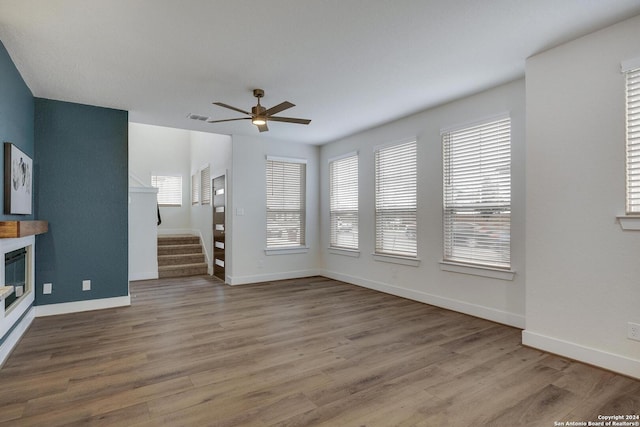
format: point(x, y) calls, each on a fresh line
point(15, 275)
point(16, 280)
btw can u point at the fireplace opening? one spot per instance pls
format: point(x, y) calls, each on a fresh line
point(15, 274)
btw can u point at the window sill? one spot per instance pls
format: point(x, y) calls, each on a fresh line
point(287, 250)
point(629, 222)
point(345, 252)
point(474, 270)
point(396, 259)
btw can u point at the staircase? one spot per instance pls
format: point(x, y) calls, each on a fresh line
point(180, 256)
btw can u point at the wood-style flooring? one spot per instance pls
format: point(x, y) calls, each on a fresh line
point(303, 352)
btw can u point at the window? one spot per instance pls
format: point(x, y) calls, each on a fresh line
point(343, 202)
point(169, 189)
point(633, 140)
point(477, 194)
point(395, 194)
point(286, 184)
point(195, 188)
point(205, 185)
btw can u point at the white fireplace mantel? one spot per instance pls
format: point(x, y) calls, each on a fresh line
point(9, 318)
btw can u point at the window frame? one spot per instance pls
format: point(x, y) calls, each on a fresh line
point(195, 188)
point(339, 188)
point(406, 217)
point(178, 196)
point(300, 245)
point(205, 185)
point(631, 71)
point(465, 206)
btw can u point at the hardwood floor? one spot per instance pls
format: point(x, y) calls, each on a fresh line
point(304, 352)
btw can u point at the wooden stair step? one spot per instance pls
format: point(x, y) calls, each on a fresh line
point(178, 240)
point(178, 259)
point(182, 270)
point(180, 249)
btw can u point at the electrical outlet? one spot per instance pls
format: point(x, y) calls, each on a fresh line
point(86, 285)
point(633, 331)
point(46, 288)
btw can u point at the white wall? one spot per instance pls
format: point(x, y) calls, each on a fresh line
point(213, 150)
point(156, 150)
point(583, 270)
point(490, 298)
point(143, 243)
point(249, 262)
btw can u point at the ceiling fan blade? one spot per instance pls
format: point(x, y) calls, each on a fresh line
point(289, 120)
point(228, 120)
point(262, 128)
point(231, 107)
point(280, 107)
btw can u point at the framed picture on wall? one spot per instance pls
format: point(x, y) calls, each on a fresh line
point(18, 181)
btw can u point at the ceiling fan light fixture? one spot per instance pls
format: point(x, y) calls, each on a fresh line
point(259, 115)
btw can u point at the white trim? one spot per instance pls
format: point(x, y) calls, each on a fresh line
point(259, 278)
point(592, 356)
point(78, 306)
point(286, 159)
point(343, 156)
point(146, 275)
point(150, 190)
point(14, 337)
point(629, 222)
point(499, 316)
point(396, 142)
point(477, 270)
point(286, 251)
point(354, 253)
point(397, 259)
point(476, 122)
point(629, 64)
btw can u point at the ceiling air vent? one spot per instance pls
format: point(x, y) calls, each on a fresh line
point(197, 117)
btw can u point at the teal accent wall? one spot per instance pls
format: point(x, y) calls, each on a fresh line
point(81, 160)
point(16, 126)
point(16, 118)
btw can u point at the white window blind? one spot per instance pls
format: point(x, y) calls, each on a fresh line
point(633, 140)
point(477, 194)
point(195, 188)
point(286, 184)
point(343, 202)
point(169, 189)
point(396, 201)
point(205, 185)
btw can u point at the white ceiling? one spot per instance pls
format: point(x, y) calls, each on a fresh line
point(348, 65)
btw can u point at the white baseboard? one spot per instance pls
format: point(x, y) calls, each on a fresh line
point(78, 306)
point(147, 275)
point(504, 317)
point(245, 280)
point(10, 342)
point(592, 356)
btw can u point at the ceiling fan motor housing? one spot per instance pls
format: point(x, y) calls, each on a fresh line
point(258, 110)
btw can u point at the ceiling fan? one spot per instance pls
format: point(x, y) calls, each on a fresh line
point(260, 115)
